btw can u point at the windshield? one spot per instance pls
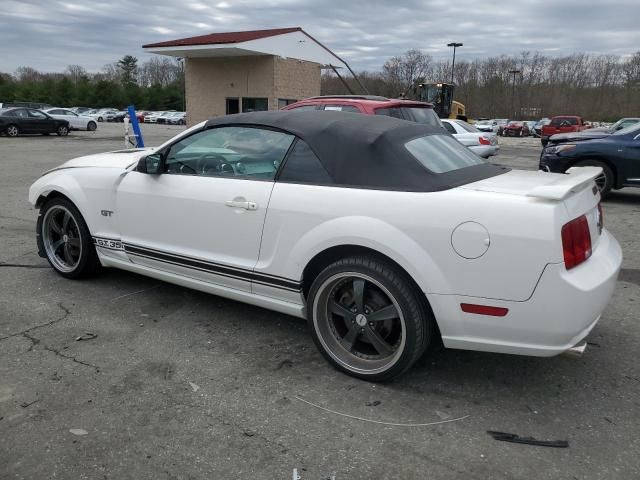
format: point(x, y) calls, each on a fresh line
point(442, 153)
point(635, 128)
point(468, 127)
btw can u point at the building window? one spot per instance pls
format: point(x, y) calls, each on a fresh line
point(254, 104)
point(283, 102)
point(233, 106)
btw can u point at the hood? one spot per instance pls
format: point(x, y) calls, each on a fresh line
point(119, 159)
point(577, 136)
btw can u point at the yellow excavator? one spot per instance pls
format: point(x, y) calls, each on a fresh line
point(441, 96)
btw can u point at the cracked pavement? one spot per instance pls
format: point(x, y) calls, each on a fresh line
point(182, 385)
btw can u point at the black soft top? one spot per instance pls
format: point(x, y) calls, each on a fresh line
point(364, 151)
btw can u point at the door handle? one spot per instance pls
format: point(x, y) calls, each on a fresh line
point(238, 204)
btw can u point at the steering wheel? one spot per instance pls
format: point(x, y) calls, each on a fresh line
point(210, 164)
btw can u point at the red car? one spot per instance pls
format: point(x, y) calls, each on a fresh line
point(419, 112)
point(516, 129)
point(563, 124)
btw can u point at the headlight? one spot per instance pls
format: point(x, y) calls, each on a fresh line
point(556, 150)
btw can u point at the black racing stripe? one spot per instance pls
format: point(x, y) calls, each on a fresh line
point(213, 268)
point(267, 276)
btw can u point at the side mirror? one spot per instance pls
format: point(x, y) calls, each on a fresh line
point(150, 164)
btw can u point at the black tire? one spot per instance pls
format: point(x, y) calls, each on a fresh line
point(91, 126)
point(62, 131)
point(605, 181)
point(12, 130)
point(544, 141)
point(349, 337)
point(74, 239)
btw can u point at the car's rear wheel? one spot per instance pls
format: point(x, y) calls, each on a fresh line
point(367, 318)
point(12, 131)
point(62, 131)
point(605, 180)
point(91, 126)
point(64, 237)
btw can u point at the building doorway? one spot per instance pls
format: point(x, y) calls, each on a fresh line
point(233, 106)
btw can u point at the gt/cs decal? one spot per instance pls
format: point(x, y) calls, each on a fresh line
point(106, 213)
point(111, 244)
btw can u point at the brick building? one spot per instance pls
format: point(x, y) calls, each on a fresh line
point(247, 71)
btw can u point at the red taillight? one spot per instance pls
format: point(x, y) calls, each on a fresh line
point(484, 309)
point(484, 141)
point(576, 242)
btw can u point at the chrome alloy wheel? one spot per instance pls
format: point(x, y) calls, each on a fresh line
point(61, 238)
point(601, 181)
point(359, 323)
point(12, 131)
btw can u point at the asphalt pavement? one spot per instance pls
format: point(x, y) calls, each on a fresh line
point(125, 377)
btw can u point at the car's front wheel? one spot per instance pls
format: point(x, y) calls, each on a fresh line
point(367, 318)
point(605, 180)
point(62, 131)
point(64, 238)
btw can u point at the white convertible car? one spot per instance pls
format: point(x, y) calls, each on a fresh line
point(382, 233)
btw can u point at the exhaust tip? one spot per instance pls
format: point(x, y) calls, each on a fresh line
point(575, 351)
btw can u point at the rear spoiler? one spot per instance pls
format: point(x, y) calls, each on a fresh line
point(576, 179)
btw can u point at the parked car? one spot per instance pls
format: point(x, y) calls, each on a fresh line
point(562, 124)
point(76, 122)
point(178, 118)
point(153, 117)
point(412, 111)
point(537, 129)
point(487, 126)
point(383, 233)
point(171, 118)
point(516, 129)
point(103, 114)
point(119, 116)
point(501, 122)
point(17, 121)
point(617, 154)
point(484, 144)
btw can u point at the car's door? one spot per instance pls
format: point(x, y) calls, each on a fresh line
point(23, 120)
point(40, 122)
point(202, 215)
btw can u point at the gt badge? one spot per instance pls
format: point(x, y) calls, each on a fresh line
point(106, 213)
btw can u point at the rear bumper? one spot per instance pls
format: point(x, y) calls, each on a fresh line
point(563, 309)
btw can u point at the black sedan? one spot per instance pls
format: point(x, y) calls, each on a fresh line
point(618, 154)
point(16, 121)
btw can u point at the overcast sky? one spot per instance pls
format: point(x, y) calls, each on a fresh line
point(49, 34)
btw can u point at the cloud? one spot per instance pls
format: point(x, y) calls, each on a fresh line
point(49, 35)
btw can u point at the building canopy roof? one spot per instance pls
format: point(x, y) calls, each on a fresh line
point(283, 42)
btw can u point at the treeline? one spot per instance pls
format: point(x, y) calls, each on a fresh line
point(155, 85)
point(597, 87)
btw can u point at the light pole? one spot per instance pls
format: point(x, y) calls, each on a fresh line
point(513, 72)
point(454, 45)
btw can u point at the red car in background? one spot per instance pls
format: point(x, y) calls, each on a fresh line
point(516, 129)
point(419, 112)
point(563, 124)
